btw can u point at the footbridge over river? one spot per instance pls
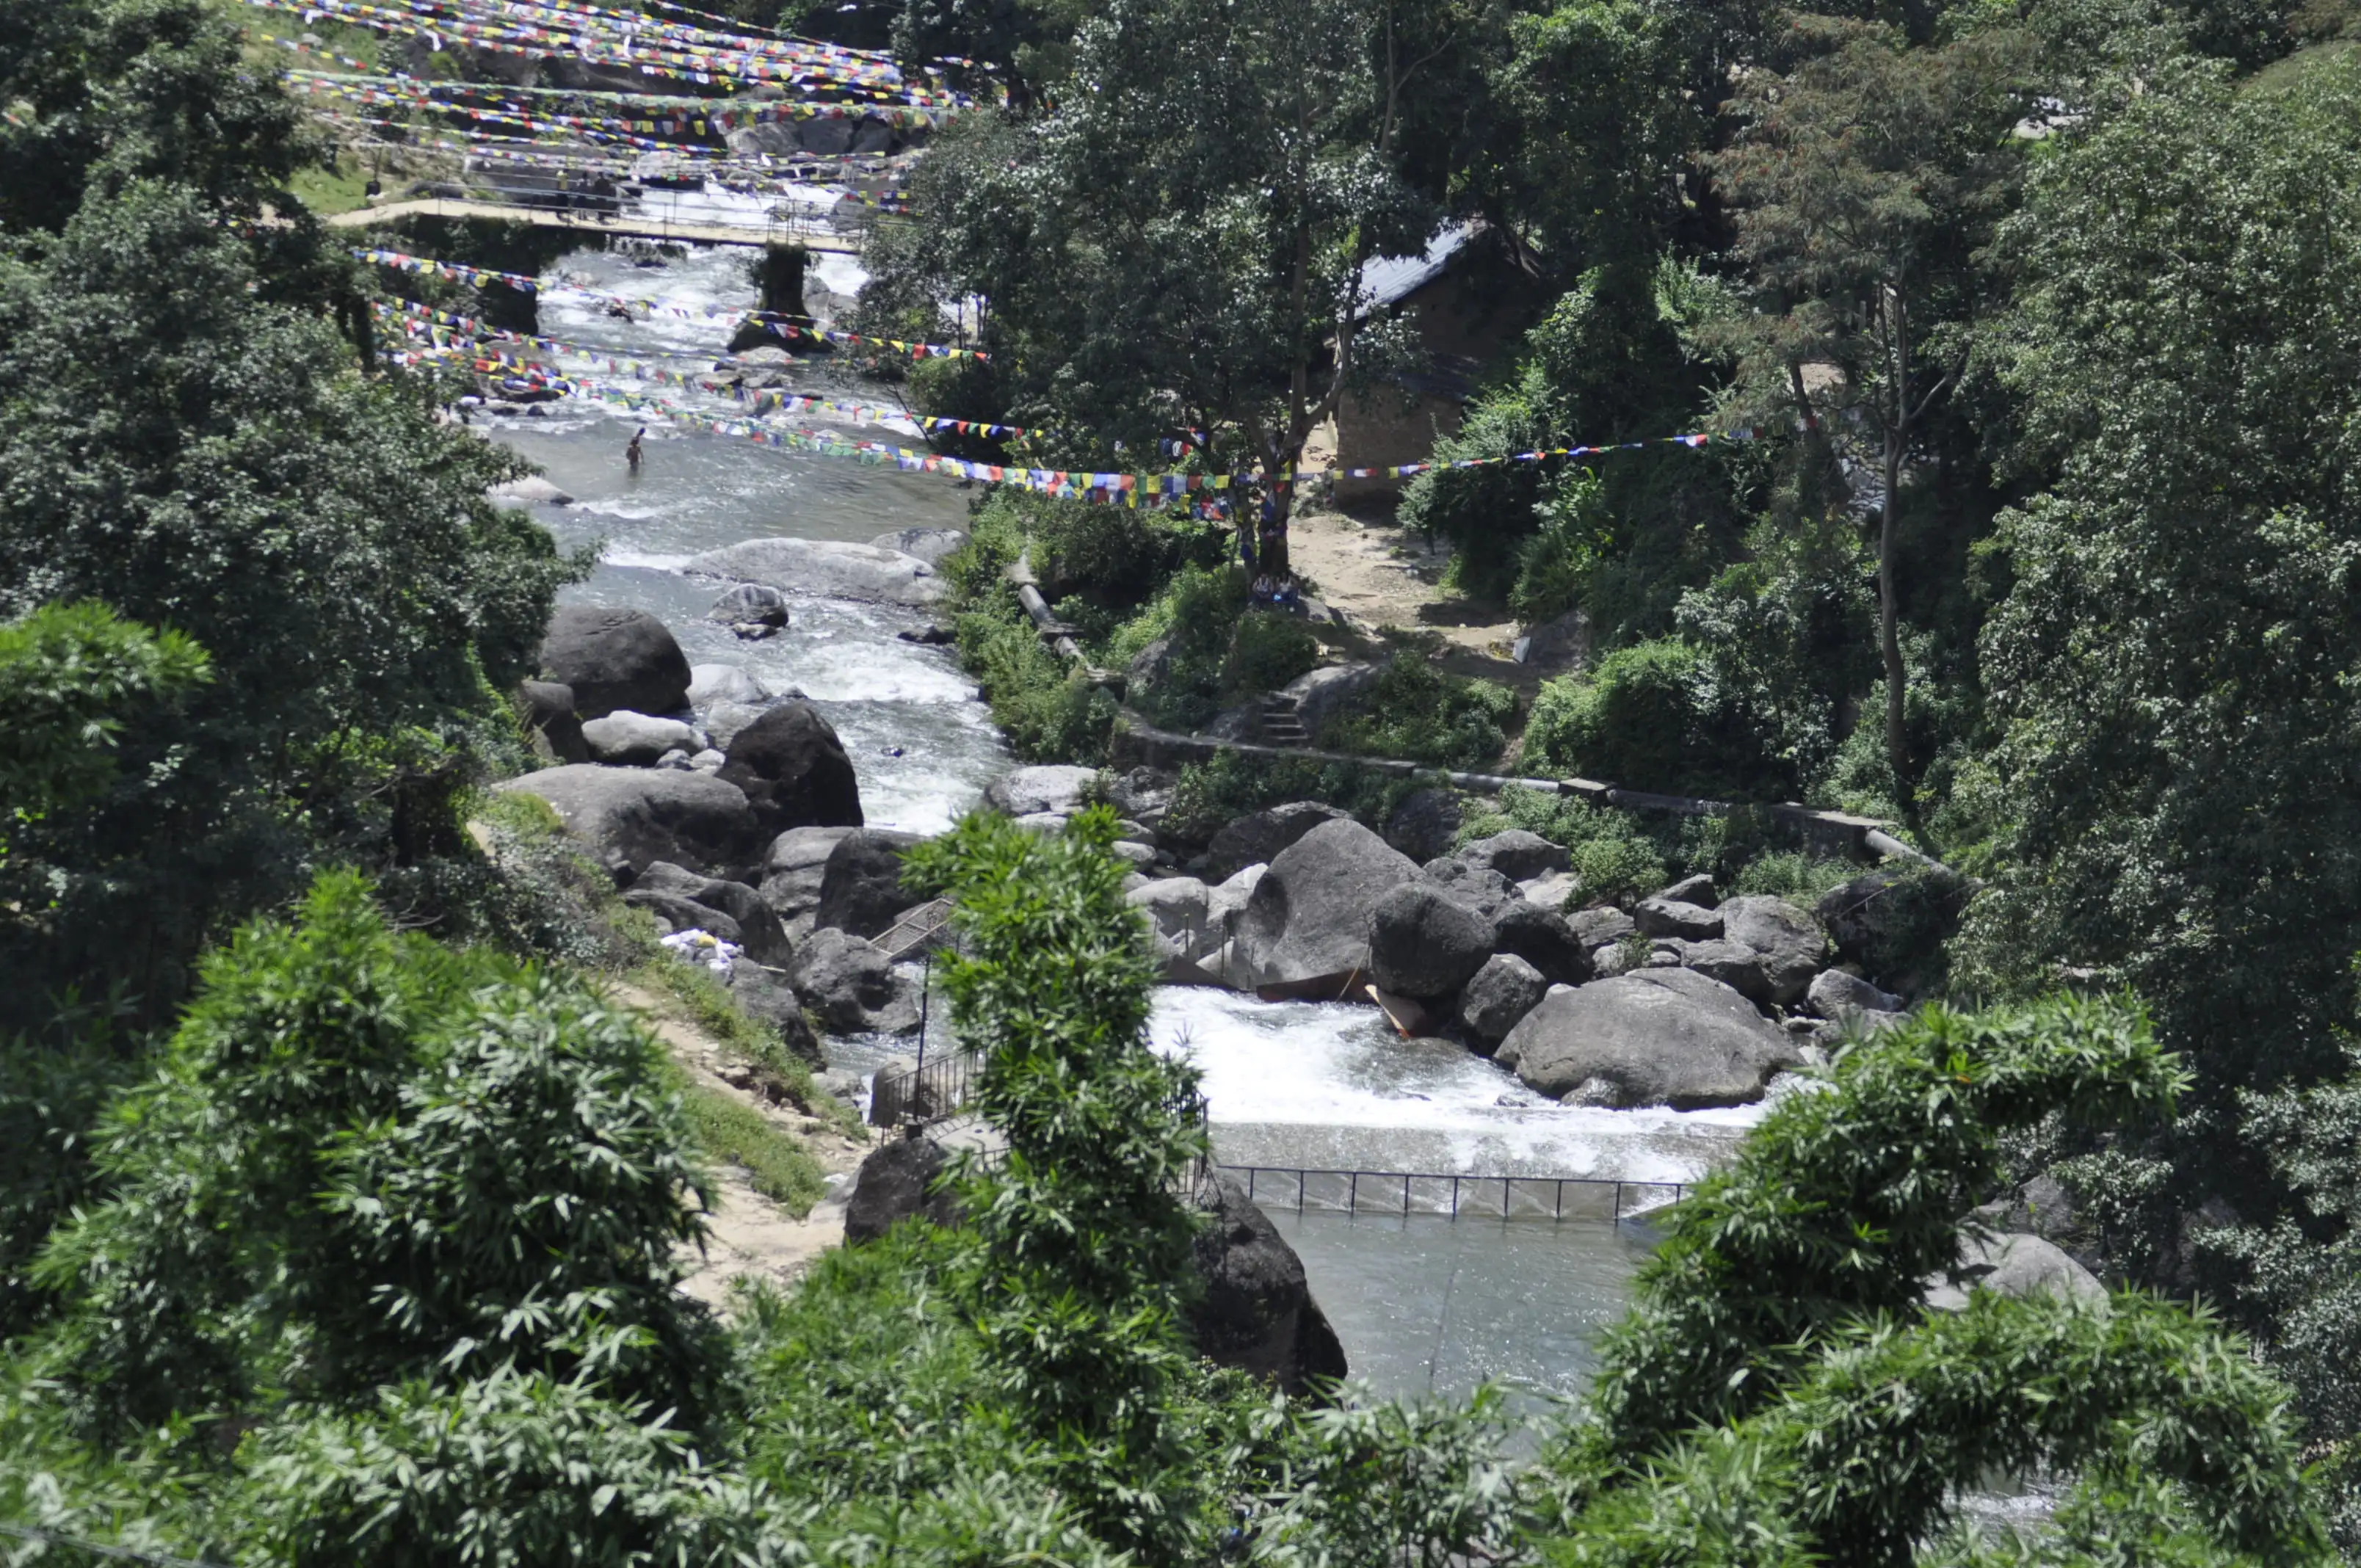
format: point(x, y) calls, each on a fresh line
point(634, 225)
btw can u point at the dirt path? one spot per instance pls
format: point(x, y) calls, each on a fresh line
point(1384, 576)
point(749, 1233)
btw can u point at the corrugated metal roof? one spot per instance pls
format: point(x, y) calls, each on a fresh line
point(1387, 279)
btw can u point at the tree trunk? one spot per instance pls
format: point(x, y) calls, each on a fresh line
point(1274, 547)
point(1898, 745)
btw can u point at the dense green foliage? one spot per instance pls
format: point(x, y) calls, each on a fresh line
point(189, 440)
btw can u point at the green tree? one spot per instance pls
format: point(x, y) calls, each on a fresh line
point(203, 458)
point(366, 1159)
point(1174, 249)
point(1081, 1229)
point(2171, 668)
point(1862, 180)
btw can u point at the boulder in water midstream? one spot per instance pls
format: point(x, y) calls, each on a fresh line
point(793, 771)
point(614, 658)
point(826, 568)
point(633, 818)
point(1309, 915)
point(928, 545)
point(1425, 944)
point(1665, 1037)
point(710, 684)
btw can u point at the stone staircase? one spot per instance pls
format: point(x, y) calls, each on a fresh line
point(1279, 723)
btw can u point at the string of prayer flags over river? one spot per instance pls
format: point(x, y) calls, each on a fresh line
point(442, 329)
point(616, 38)
point(1104, 489)
point(428, 265)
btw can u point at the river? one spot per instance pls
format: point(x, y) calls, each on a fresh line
point(1423, 1304)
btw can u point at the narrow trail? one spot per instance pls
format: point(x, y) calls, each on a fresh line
point(749, 1233)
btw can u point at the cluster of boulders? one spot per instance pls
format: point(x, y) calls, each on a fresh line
point(720, 807)
point(1684, 1000)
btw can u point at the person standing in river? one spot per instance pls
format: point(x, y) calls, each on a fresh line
point(631, 454)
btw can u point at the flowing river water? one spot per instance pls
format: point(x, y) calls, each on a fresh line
point(1422, 1303)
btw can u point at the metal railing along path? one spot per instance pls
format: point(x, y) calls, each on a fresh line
point(1452, 1195)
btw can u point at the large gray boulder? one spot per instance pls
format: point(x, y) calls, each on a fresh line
point(759, 931)
point(1499, 997)
point(1542, 938)
point(1176, 908)
point(1661, 917)
point(928, 545)
point(767, 998)
point(826, 568)
point(530, 490)
point(1425, 944)
point(1025, 792)
point(1734, 964)
point(1309, 915)
point(851, 987)
point(679, 913)
point(793, 771)
point(795, 867)
point(1324, 693)
point(1661, 1037)
point(614, 658)
point(624, 738)
point(710, 684)
point(898, 1181)
point(1516, 854)
point(1793, 946)
point(1258, 838)
point(1255, 1311)
point(1424, 824)
point(2019, 1266)
point(1474, 886)
point(1838, 996)
point(861, 885)
point(1143, 795)
point(632, 817)
point(751, 605)
point(1597, 927)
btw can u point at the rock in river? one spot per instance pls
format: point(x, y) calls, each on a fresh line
point(614, 658)
point(1660, 1037)
point(1258, 838)
point(826, 567)
point(1309, 915)
point(1425, 944)
point(793, 771)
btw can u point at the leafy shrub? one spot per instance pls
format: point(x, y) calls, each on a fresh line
point(1049, 709)
point(1418, 712)
point(1209, 796)
point(366, 1157)
point(1198, 611)
point(1268, 649)
point(1798, 875)
point(1612, 853)
point(1651, 717)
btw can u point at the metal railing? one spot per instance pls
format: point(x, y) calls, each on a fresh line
point(1453, 1196)
point(935, 1089)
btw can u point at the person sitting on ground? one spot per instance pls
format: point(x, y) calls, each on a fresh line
point(1262, 590)
point(1286, 595)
